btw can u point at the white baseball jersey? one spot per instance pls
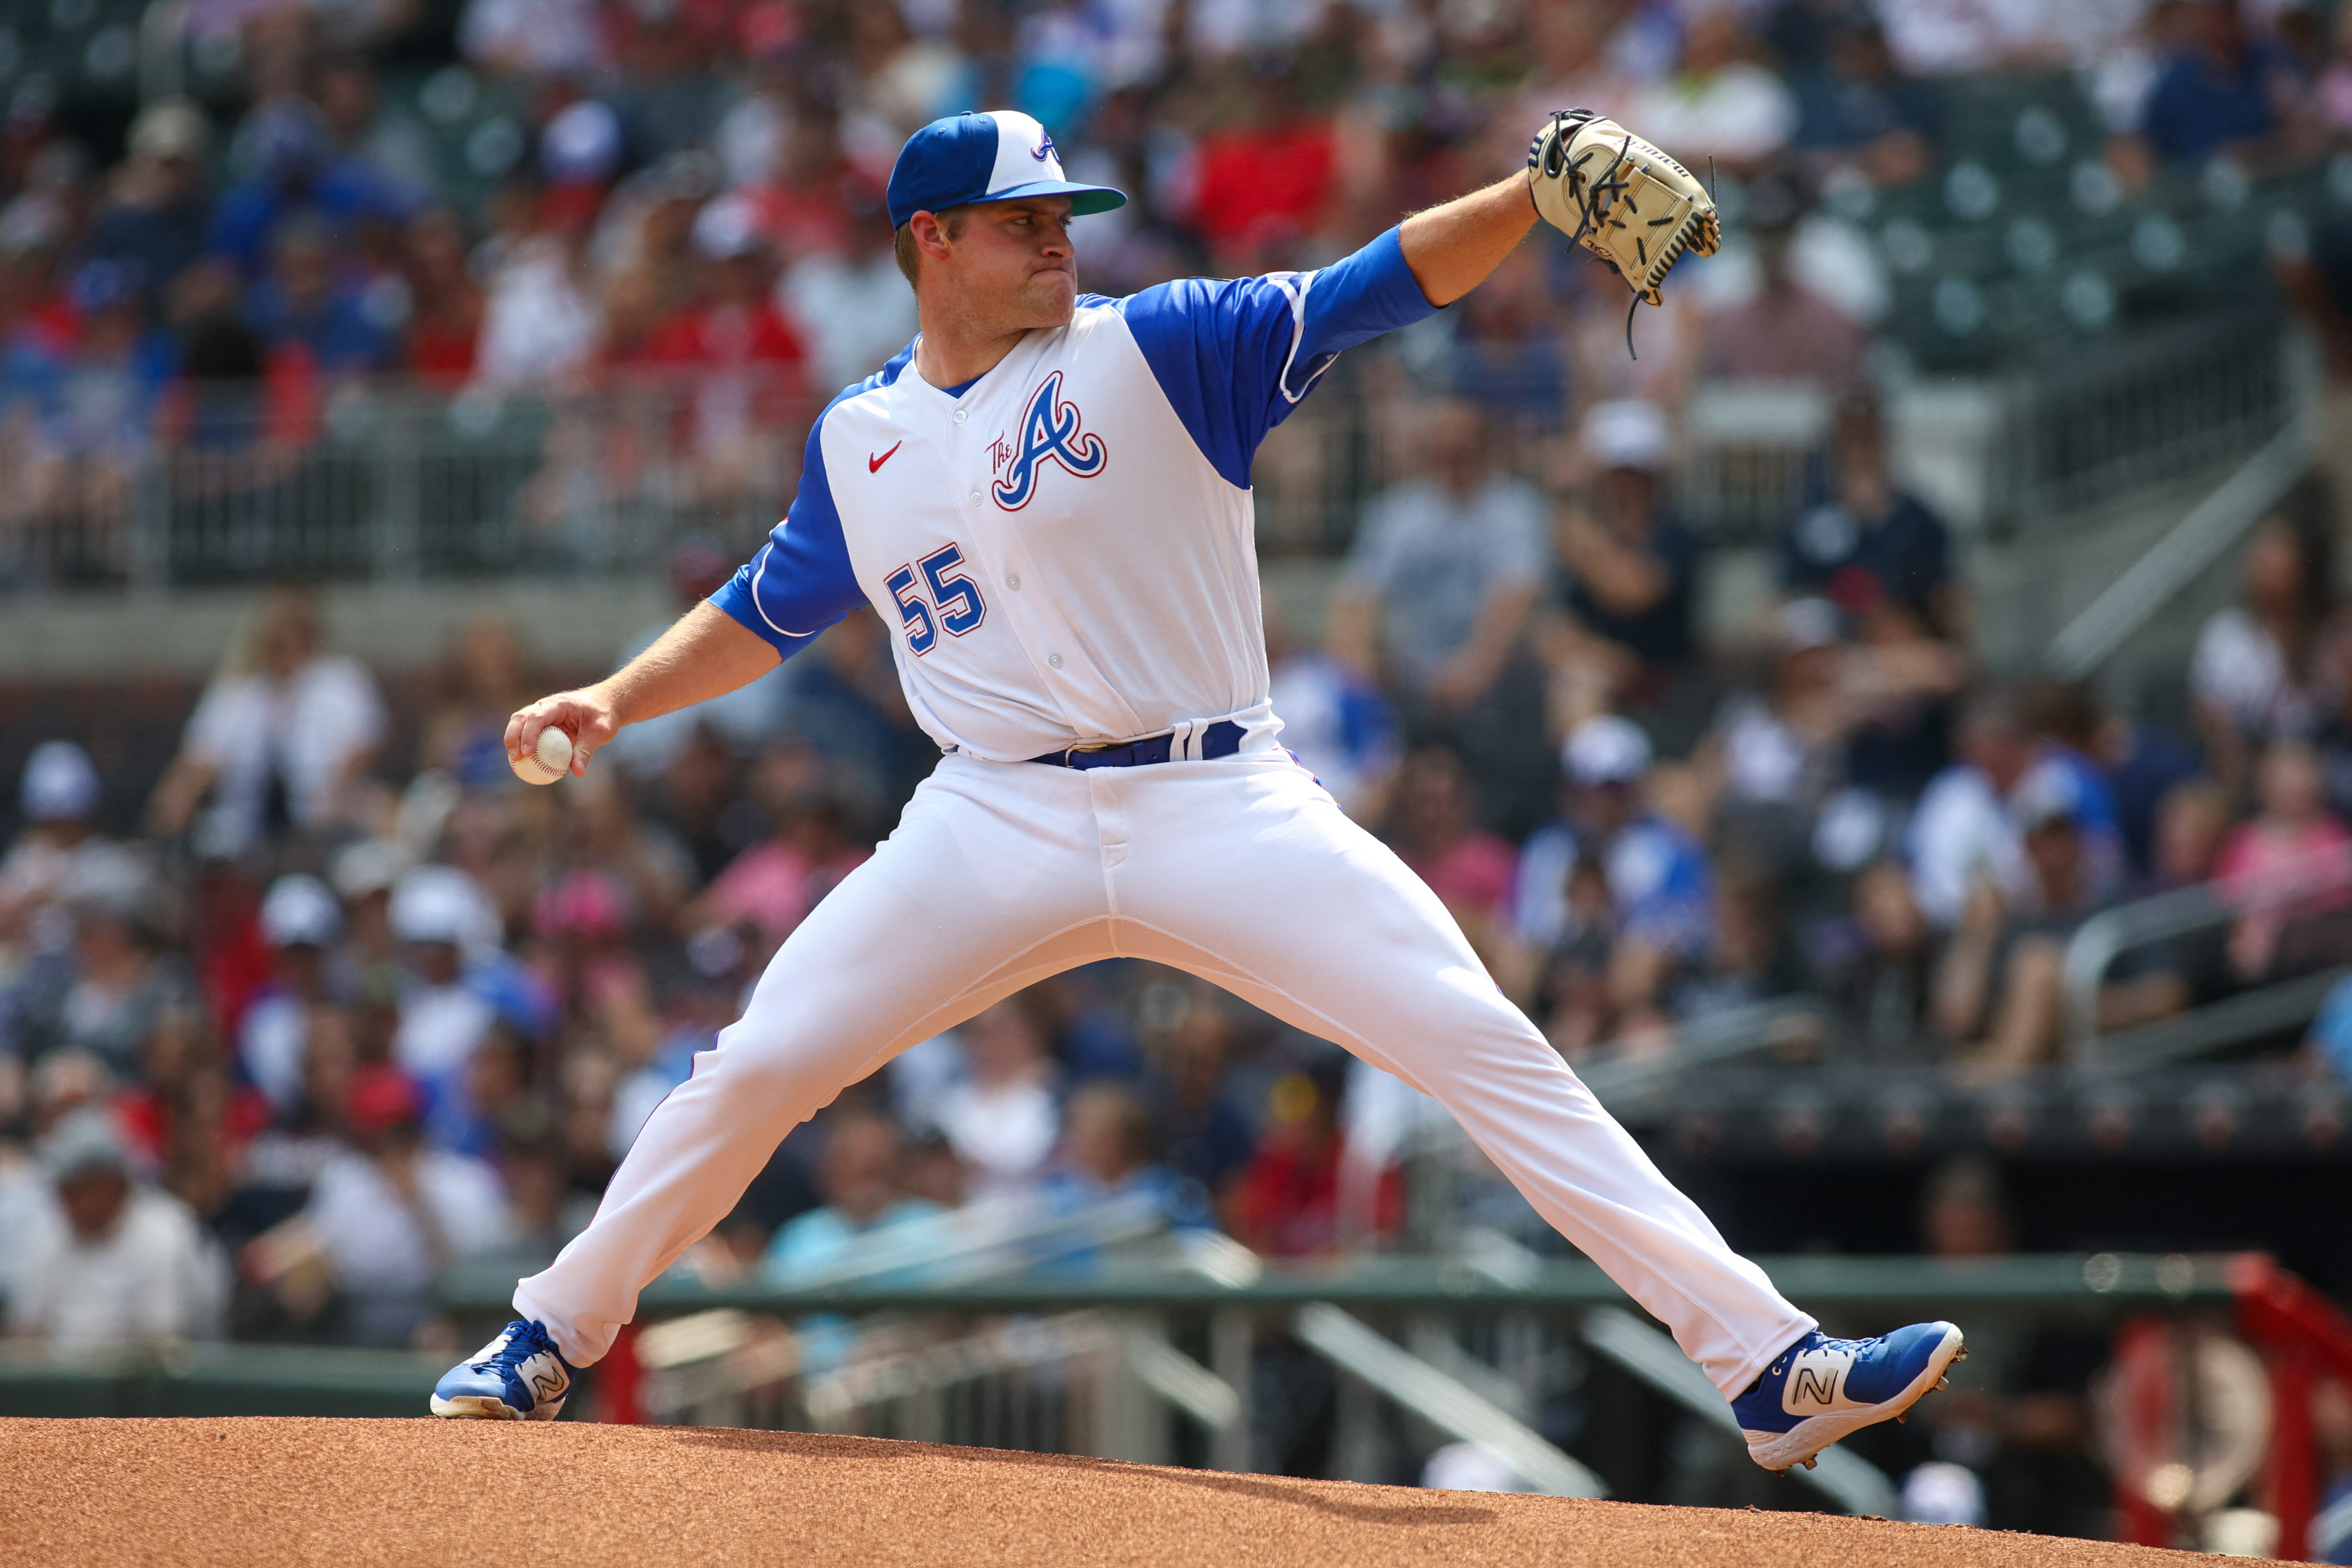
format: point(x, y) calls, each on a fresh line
point(1065, 545)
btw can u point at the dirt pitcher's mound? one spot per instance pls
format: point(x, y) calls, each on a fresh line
point(257, 1493)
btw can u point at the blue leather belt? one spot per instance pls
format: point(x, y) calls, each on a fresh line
point(1222, 739)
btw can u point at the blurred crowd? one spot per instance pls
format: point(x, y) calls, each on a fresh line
point(685, 197)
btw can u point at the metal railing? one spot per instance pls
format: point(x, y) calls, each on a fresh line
point(203, 1380)
point(2184, 911)
point(1089, 1379)
point(2144, 410)
point(2192, 546)
point(1754, 453)
point(1634, 1086)
point(388, 480)
point(1102, 1359)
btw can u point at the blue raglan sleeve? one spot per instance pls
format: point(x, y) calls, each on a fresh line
point(1235, 356)
point(801, 582)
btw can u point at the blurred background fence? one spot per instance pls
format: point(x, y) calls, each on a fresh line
point(390, 481)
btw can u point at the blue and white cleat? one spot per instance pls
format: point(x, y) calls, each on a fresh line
point(518, 1376)
point(1820, 1389)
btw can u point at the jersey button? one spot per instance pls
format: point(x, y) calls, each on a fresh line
point(1013, 584)
point(1054, 659)
point(975, 498)
point(963, 415)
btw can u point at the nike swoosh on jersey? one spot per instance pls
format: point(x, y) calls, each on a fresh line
point(874, 464)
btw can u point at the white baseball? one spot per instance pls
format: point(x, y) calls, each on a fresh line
point(549, 761)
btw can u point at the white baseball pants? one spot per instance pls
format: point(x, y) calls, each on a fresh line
point(1241, 871)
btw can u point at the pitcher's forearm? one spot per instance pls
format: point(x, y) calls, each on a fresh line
point(707, 654)
point(1452, 247)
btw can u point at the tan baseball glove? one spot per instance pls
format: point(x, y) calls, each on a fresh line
point(1620, 197)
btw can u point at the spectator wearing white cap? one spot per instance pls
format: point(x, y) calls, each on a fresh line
point(1775, 761)
point(116, 1263)
point(438, 914)
point(65, 1084)
point(57, 799)
point(282, 738)
point(581, 145)
point(364, 875)
point(1627, 568)
point(302, 923)
point(156, 207)
point(1660, 888)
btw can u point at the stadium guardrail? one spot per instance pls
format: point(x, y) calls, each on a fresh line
point(1484, 1336)
point(2316, 886)
point(1100, 1359)
point(2195, 543)
point(204, 1379)
point(388, 480)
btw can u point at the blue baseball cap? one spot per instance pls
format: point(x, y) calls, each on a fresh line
point(999, 156)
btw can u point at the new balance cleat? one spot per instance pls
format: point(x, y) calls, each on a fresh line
point(518, 1376)
point(1820, 1389)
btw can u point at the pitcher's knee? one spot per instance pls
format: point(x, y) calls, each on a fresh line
point(1474, 1049)
point(764, 1070)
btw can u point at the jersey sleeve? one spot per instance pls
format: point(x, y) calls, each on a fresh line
point(801, 582)
point(1235, 356)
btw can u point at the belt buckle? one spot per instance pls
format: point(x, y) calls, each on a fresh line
point(1075, 747)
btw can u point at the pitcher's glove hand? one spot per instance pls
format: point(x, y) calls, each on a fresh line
point(1620, 197)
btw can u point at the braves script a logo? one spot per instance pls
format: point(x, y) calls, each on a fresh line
point(1049, 428)
point(1045, 148)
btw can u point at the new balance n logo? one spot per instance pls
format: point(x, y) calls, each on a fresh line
point(1818, 1387)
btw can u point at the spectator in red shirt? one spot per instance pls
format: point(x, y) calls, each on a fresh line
point(808, 206)
point(734, 356)
point(1268, 180)
point(1287, 1202)
point(447, 316)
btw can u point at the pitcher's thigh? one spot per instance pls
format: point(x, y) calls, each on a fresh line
point(1296, 907)
point(959, 907)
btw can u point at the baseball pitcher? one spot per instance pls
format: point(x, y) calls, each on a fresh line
point(1046, 495)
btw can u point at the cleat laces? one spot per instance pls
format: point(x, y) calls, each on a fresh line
point(516, 1346)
